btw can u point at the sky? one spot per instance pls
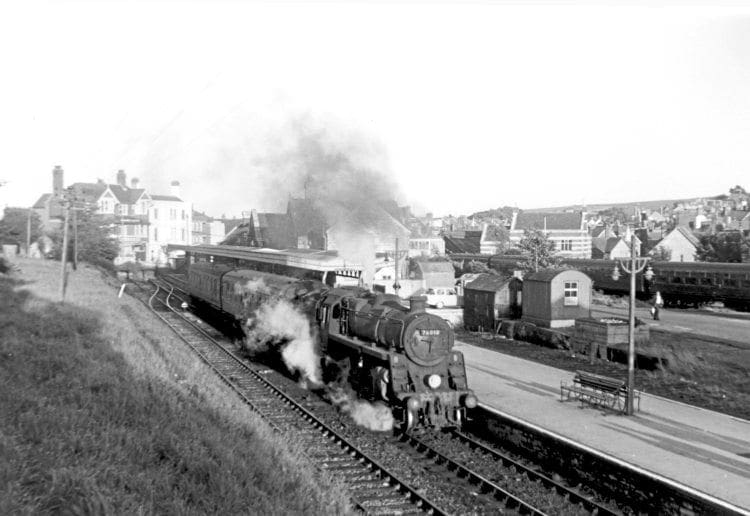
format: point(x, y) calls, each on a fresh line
point(461, 106)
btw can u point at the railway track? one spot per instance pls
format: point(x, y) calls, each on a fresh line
point(375, 489)
point(432, 472)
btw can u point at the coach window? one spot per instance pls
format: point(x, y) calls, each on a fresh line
point(571, 293)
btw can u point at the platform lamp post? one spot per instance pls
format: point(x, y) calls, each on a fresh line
point(635, 265)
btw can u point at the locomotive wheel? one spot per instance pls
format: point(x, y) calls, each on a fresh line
point(411, 420)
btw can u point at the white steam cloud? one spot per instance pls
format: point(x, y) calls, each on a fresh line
point(373, 416)
point(277, 323)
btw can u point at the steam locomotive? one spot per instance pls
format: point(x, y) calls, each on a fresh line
point(403, 356)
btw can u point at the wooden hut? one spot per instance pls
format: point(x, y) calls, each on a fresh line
point(490, 298)
point(555, 298)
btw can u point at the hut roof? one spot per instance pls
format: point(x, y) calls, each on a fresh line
point(548, 274)
point(488, 283)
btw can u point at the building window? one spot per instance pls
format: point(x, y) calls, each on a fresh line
point(172, 213)
point(571, 293)
point(566, 245)
point(156, 234)
point(182, 234)
point(156, 213)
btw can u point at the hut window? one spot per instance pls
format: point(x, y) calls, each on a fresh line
point(571, 293)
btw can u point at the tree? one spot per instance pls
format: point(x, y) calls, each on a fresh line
point(661, 254)
point(539, 250)
point(471, 267)
point(95, 242)
point(727, 246)
point(14, 225)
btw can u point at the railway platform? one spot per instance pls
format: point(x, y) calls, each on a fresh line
point(704, 450)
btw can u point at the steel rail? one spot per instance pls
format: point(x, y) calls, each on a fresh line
point(509, 499)
point(572, 495)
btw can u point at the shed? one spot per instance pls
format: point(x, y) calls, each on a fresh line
point(433, 273)
point(555, 298)
point(489, 298)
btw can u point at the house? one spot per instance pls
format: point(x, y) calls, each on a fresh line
point(738, 220)
point(567, 231)
point(494, 239)
point(206, 230)
point(680, 244)
point(555, 298)
point(611, 249)
point(462, 241)
point(171, 220)
point(488, 299)
point(426, 246)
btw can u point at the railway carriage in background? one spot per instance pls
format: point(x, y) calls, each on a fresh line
point(680, 283)
point(401, 355)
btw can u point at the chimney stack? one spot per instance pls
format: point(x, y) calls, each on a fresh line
point(121, 179)
point(134, 183)
point(57, 181)
point(176, 188)
point(417, 303)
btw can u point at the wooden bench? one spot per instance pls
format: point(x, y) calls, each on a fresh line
point(598, 390)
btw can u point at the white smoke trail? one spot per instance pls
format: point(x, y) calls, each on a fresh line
point(275, 322)
point(373, 416)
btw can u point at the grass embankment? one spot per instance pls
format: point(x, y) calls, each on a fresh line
point(102, 410)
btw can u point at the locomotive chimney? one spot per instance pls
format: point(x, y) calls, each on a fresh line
point(417, 303)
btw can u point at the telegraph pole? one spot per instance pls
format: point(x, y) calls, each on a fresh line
point(28, 233)
point(75, 239)
point(64, 254)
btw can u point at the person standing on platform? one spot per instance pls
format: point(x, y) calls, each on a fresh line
point(658, 302)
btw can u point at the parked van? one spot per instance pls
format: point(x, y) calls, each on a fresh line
point(440, 297)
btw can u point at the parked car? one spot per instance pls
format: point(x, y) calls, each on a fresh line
point(440, 297)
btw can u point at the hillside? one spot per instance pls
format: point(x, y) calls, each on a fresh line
point(104, 411)
point(651, 205)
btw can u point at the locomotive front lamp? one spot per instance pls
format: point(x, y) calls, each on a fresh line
point(649, 274)
point(434, 381)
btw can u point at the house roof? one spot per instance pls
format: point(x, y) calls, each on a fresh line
point(88, 192)
point(434, 267)
point(165, 198)
point(488, 283)
point(494, 233)
point(598, 230)
point(738, 214)
point(126, 195)
point(612, 243)
point(688, 235)
point(457, 245)
point(199, 216)
point(42, 201)
point(549, 221)
point(275, 230)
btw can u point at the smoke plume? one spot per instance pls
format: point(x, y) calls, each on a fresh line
point(373, 416)
point(274, 323)
point(344, 175)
